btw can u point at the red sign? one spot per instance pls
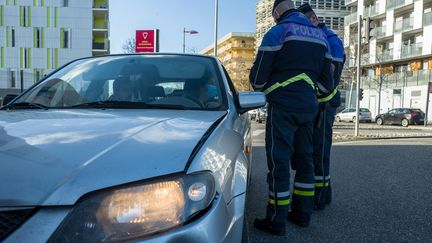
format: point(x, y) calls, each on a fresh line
point(147, 41)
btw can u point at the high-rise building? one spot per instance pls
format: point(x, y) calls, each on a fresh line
point(330, 12)
point(38, 36)
point(396, 62)
point(236, 52)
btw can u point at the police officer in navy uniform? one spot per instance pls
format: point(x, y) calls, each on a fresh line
point(293, 56)
point(323, 131)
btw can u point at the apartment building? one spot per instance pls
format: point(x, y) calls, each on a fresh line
point(397, 60)
point(38, 36)
point(330, 12)
point(236, 52)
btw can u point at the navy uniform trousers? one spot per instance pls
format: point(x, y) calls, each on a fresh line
point(322, 143)
point(287, 132)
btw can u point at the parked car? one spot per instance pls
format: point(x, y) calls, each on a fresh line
point(349, 115)
point(148, 148)
point(253, 114)
point(261, 114)
point(401, 116)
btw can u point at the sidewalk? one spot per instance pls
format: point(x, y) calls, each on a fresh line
point(345, 131)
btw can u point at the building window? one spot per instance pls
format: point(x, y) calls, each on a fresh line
point(12, 37)
point(22, 79)
point(38, 37)
point(65, 38)
point(27, 56)
point(37, 75)
point(12, 78)
point(65, 3)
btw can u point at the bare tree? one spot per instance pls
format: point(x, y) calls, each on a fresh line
point(380, 78)
point(129, 45)
point(351, 61)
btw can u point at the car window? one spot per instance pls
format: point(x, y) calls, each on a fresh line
point(392, 111)
point(193, 82)
point(364, 110)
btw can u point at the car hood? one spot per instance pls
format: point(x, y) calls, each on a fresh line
point(54, 157)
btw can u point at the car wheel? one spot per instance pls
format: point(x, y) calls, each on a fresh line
point(353, 119)
point(405, 122)
point(379, 121)
point(338, 119)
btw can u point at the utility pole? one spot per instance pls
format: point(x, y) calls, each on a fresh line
point(427, 103)
point(359, 37)
point(216, 28)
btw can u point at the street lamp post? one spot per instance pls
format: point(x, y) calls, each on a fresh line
point(216, 28)
point(192, 32)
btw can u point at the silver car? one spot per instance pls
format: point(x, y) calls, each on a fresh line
point(140, 148)
point(349, 115)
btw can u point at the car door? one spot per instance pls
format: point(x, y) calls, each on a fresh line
point(390, 117)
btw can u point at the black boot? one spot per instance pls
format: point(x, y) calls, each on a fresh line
point(302, 222)
point(268, 226)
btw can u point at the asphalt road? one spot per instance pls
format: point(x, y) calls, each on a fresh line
point(382, 192)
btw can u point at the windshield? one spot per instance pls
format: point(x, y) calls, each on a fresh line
point(189, 82)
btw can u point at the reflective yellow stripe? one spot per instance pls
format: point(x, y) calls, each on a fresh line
point(299, 77)
point(280, 202)
point(329, 97)
point(320, 184)
point(304, 193)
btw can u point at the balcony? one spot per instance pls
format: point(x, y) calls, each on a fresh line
point(427, 19)
point(404, 25)
point(378, 32)
point(349, 2)
point(386, 55)
point(371, 11)
point(391, 4)
point(400, 79)
point(365, 59)
point(411, 50)
point(352, 18)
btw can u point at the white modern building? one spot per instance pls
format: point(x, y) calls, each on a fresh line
point(38, 36)
point(397, 61)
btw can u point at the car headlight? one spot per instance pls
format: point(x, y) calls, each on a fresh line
point(137, 210)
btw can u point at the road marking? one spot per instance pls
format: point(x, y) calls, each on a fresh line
point(258, 132)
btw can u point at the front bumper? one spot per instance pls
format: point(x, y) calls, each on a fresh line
point(222, 223)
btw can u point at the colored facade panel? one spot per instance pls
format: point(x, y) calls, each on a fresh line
point(33, 39)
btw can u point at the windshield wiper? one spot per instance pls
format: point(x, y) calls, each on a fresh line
point(25, 105)
point(126, 105)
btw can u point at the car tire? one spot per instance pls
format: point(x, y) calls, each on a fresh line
point(379, 121)
point(354, 119)
point(404, 122)
point(338, 119)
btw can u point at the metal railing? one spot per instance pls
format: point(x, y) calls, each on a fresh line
point(404, 25)
point(399, 79)
point(394, 4)
point(385, 56)
point(378, 32)
point(350, 18)
point(411, 50)
point(349, 2)
point(371, 11)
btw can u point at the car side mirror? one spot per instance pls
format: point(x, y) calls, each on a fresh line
point(8, 98)
point(250, 100)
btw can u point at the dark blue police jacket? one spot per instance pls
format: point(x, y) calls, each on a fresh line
point(294, 55)
point(338, 60)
